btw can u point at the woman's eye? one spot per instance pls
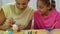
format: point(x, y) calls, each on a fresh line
point(18, 3)
point(23, 4)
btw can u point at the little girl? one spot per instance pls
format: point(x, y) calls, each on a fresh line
point(46, 16)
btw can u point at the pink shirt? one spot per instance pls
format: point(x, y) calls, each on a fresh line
point(51, 21)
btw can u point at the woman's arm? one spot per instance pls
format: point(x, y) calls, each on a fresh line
point(29, 25)
point(2, 19)
point(31, 19)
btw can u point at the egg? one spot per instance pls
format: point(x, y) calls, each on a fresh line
point(15, 27)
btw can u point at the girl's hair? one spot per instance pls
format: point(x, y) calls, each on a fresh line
point(51, 3)
point(28, 0)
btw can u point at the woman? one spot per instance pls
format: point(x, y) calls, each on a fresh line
point(46, 16)
point(16, 13)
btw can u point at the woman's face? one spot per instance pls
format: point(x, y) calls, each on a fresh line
point(42, 7)
point(21, 4)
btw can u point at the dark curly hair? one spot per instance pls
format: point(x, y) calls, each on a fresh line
point(48, 2)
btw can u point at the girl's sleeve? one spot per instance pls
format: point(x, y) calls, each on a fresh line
point(58, 22)
point(35, 25)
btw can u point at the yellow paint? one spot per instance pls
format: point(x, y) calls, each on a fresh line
point(5, 33)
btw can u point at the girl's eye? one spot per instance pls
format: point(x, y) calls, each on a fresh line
point(41, 7)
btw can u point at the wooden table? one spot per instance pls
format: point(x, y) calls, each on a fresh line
point(56, 31)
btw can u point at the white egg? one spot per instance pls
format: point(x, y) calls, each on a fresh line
point(15, 27)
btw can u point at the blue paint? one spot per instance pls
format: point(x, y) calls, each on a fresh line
point(9, 32)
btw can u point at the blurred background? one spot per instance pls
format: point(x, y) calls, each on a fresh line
point(31, 3)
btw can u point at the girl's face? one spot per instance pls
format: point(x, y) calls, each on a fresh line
point(21, 4)
point(42, 7)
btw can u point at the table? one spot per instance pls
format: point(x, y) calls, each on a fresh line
point(55, 31)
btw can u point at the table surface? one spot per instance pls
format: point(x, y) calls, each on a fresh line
point(56, 31)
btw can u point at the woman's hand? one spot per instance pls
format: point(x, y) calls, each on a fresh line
point(20, 27)
point(11, 22)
